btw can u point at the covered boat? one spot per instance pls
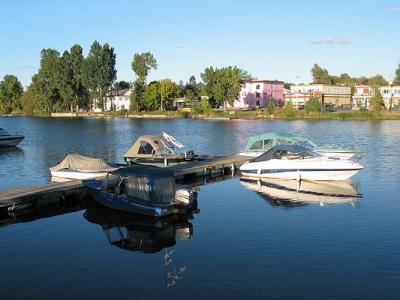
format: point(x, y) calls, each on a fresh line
point(158, 148)
point(9, 140)
point(76, 166)
point(299, 163)
point(260, 143)
point(144, 190)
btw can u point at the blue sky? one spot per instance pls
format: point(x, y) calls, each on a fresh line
point(270, 39)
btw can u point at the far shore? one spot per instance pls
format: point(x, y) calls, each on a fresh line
point(232, 115)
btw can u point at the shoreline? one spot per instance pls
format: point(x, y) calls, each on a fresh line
point(226, 116)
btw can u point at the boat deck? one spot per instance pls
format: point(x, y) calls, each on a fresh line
point(52, 192)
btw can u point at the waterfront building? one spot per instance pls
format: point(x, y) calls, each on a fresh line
point(362, 95)
point(391, 96)
point(258, 93)
point(118, 100)
point(336, 96)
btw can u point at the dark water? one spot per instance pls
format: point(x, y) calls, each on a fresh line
point(246, 242)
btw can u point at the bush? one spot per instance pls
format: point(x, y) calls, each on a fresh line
point(313, 105)
point(271, 107)
point(288, 110)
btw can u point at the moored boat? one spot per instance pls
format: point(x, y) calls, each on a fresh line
point(76, 166)
point(299, 163)
point(9, 140)
point(259, 144)
point(144, 190)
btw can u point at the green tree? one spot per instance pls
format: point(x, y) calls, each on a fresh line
point(151, 96)
point(168, 91)
point(397, 75)
point(10, 94)
point(288, 110)
point(223, 85)
point(320, 75)
point(81, 95)
point(271, 107)
point(46, 83)
point(141, 65)
point(376, 102)
point(28, 101)
point(377, 81)
point(99, 71)
point(313, 105)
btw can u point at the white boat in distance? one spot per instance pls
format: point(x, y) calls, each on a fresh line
point(76, 166)
point(9, 140)
point(299, 163)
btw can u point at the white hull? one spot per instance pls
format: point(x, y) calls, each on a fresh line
point(302, 169)
point(67, 175)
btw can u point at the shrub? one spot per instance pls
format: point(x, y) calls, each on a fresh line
point(271, 107)
point(312, 105)
point(288, 110)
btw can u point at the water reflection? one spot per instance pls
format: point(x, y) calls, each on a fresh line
point(291, 193)
point(146, 234)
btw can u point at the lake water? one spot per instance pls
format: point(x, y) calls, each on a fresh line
point(246, 241)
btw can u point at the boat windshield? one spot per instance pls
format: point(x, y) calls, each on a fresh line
point(286, 152)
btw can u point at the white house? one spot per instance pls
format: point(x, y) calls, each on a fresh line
point(391, 96)
point(362, 96)
point(118, 100)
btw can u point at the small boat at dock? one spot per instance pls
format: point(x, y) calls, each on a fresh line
point(9, 140)
point(259, 144)
point(158, 149)
point(143, 190)
point(76, 166)
point(299, 163)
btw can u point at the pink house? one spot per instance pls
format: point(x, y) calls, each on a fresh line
point(259, 93)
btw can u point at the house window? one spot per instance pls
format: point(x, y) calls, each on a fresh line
point(145, 148)
point(258, 95)
point(257, 86)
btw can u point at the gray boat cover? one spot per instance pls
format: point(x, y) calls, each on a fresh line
point(82, 163)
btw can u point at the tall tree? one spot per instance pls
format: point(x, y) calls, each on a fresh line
point(320, 75)
point(141, 65)
point(81, 96)
point(168, 90)
point(224, 84)
point(46, 83)
point(397, 75)
point(376, 101)
point(10, 94)
point(99, 71)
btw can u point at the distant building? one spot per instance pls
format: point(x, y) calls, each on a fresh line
point(258, 93)
point(391, 96)
point(362, 95)
point(118, 100)
point(337, 96)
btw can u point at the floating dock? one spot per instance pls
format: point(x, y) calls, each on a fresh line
point(41, 195)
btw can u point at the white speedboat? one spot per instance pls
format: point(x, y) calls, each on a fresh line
point(9, 140)
point(76, 166)
point(259, 144)
point(299, 163)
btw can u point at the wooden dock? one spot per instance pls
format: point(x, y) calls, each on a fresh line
point(41, 195)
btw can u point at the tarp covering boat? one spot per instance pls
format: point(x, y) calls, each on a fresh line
point(82, 163)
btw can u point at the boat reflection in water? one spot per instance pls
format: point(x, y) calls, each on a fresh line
point(135, 232)
point(292, 193)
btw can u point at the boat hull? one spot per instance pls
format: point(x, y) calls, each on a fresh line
point(332, 154)
point(324, 175)
point(10, 141)
point(67, 175)
point(130, 204)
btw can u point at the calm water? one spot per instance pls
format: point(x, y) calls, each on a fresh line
point(246, 242)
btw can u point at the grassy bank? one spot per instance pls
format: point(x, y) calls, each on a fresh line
point(244, 115)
